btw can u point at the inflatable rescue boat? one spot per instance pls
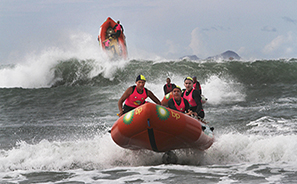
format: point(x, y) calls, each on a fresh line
point(116, 48)
point(160, 129)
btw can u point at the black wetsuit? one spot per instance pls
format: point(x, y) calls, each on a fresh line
point(171, 104)
point(118, 33)
point(198, 87)
point(165, 88)
point(196, 96)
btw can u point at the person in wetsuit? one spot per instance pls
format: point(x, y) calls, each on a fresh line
point(118, 28)
point(193, 97)
point(107, 43)
point(196, 85)
point(177, 102)
point(168, 87)
point(135, 96)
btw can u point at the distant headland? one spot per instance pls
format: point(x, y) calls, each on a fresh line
point(228, 55)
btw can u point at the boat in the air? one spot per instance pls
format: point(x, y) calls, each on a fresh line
point(117, 48)
point(160, 129)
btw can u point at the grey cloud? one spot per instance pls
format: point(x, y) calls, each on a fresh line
point(268, 29)
point(288, 19)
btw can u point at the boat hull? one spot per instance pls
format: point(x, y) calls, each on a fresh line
point(117, 49)
point(160, 129)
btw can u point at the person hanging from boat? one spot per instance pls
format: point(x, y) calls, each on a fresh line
point(196, 85)
point(135, 96)
point(108, 46)
point(168, 87)
point(107, 43)
point(193, 98)
point(177, 102)
point(118, 28)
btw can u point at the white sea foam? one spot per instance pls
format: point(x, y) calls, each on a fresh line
point(249, 148)
point(102, 153)
point(221, 90)
point(272, 126)
point(35, 70)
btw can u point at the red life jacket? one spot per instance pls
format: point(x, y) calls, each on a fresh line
point(181, 107)
point(170, 88)
point(107, 43)
point(136, 99)
point(190, 98)
point(194, 85)
point(118, 28)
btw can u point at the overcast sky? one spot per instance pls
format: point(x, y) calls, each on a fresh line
point(255, 29)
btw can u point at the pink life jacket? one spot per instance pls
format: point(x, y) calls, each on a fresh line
point(168, 89)
point(136, 99)
point(107, 43)
point(118, 28)
point(190, 98)
point(194, 85)
point(181, 107)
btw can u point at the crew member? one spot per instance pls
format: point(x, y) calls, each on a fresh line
point(107, 43)
point(193, 98)
point(168, 87)
point(196, 85)
point(135, 96)
point(177, 102)
point(118, 28)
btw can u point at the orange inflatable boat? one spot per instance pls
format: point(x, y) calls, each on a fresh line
point(166, 98)
point(160, 129)
point(117, 48)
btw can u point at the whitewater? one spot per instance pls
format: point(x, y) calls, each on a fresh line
point(57, 105)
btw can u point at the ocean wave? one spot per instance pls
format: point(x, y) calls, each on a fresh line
point(101, 153)
point(76, 72)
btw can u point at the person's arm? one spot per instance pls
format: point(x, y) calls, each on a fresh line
point(196, 96)
point(126, 94)
point(200, 89)
point(171, 104)
point(164, 88)
point(173, 86)
point(122, 29)
point(187, 107)
point(153, 97)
